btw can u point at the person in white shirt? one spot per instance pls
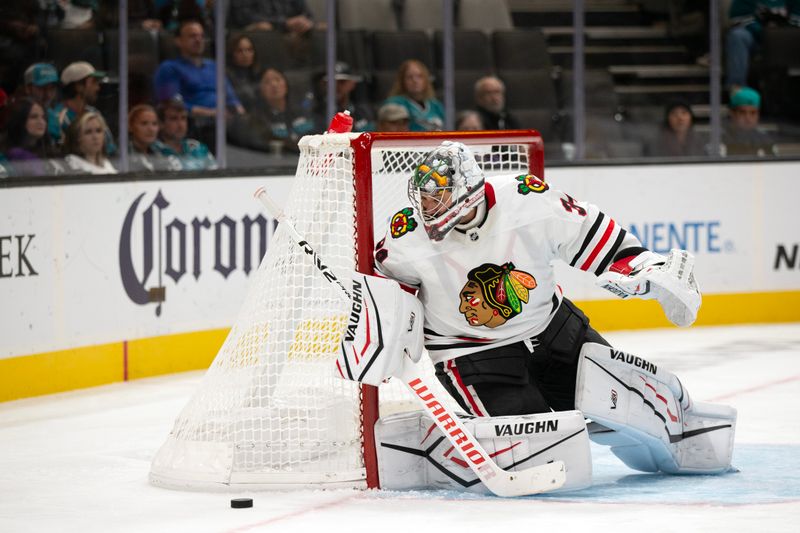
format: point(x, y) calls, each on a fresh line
point(85, 145)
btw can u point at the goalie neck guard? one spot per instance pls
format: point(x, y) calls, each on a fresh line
point(444, 187)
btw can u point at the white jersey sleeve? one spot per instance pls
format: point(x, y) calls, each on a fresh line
point(587, 238)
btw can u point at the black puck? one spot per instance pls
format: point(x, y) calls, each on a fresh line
point(241, 503)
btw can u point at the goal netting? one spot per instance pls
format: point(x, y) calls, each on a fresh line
point(270, 412)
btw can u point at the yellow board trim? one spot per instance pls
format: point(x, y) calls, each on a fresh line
point(88, 366)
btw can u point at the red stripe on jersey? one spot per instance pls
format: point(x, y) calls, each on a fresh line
point(456, 374)
point(490, 197)
point(600, 245)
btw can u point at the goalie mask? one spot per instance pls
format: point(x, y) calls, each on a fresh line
point(444, 187)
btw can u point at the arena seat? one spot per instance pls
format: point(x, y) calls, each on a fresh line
point(520, 49)
point(472, 50)
point(390, 48)
point(67, 46)
point(529, 89)
point(375, 15)
point(484, 15)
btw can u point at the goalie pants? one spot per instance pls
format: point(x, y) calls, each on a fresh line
point(524, 377)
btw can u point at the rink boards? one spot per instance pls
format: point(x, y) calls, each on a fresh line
point(115, 281)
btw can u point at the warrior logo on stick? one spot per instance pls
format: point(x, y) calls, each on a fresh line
point(494, 294)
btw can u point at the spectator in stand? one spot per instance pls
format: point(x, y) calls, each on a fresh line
point(81, 87)
point(85, 145)
point(291, 16)
point(346, 82)
point(742, 135)
point(677, 137)
point(748, 19)
point(190, 154)
point(41, 83)
point(469, 121)
point(21, 41)
point(392, 117)
point(244, 70)
point(490, 102)
point(28, 146)
point(413, 90)
point(273, 125)
point(79, 14)
point(143, 130)
point(193, 77)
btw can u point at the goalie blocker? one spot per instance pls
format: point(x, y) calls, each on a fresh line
point(384, 326)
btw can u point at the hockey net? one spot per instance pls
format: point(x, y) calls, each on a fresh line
point(270, 412)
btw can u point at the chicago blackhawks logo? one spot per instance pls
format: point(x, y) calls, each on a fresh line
point(494, 294)
point(402, 223)
point(530, 183)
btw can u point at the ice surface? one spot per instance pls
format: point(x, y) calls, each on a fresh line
point(79, 462)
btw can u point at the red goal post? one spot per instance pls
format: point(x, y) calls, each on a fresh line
point(270, 414)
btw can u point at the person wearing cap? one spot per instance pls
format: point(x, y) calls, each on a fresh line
point(677, 136)
point(742, 134)
point(346, 82)
point(190, 154)
point(81, 87)
point(392, 117)
point(41, 83)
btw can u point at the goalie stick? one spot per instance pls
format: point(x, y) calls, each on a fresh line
point(533, 480)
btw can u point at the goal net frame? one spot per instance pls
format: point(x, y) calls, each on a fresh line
point(208, 460)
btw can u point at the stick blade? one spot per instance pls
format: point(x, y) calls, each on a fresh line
point(543, 478)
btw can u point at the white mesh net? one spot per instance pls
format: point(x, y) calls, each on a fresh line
point(270, 412)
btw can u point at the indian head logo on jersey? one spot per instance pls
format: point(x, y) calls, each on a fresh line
point(530, 183)
point(402, 223)
point(494, 294)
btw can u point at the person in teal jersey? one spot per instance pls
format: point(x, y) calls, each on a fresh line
point(41, 83)
point(413, 90)
point(191, 154)
point(274, 124)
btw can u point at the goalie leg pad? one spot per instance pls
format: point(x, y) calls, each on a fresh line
point(653, 424)
point(414, 454)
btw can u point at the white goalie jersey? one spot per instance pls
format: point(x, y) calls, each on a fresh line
point(494, 284)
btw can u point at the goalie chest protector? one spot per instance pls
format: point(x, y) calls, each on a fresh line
point(495, 285)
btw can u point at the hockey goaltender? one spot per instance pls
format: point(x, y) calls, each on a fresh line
point(535, 379)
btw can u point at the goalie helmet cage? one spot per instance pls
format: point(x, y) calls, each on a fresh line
point(270, 412)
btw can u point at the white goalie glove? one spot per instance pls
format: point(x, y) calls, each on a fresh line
point(668, 279)
point(383, 328)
